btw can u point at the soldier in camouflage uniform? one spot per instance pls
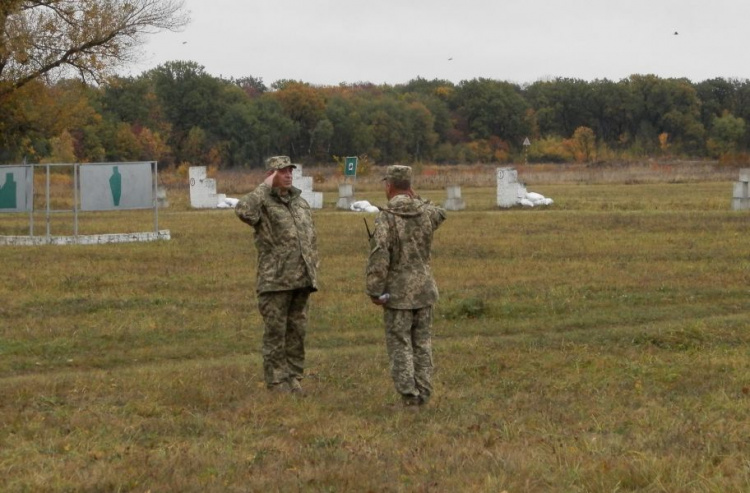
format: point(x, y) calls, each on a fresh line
point(399, 278)
point(286, 241)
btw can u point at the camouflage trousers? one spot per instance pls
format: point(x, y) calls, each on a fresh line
point(285, 317)
point(408, 340)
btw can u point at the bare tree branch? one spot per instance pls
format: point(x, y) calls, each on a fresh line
point(49, 38)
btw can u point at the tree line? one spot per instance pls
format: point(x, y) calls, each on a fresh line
point(177, 113)
point(59, 102)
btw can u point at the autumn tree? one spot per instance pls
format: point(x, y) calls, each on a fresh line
point(667, 105)
point(562, 105)
point(420, 126)
point(62, 149)
point(664, 142)
point(583, 144)
point(89, 38)
point(190, 98)
point(351, 134)
point(388, 132)
point(153, 148)
point(252, 86)
point(305, 106)
point(134, 100)
point(716, 96)
point(40, 112)
point(726, 134)
point(611, 106)
point(321, 138)
point(492, 108)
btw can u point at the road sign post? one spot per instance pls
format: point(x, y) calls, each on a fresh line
point(350, 166)
point(526, 144)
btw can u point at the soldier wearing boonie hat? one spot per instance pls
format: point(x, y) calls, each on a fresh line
point(286, 241)
point(399, 278)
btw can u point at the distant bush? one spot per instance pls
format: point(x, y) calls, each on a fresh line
point(549, 150)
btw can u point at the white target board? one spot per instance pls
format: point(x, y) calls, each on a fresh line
point(15, 188)
point(116, 186)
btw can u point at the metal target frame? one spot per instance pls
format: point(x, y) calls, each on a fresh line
point(86, 198)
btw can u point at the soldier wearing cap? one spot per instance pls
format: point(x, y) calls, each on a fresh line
point(399, 278)
point(286, 242)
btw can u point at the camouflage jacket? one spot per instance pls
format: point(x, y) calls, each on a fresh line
point(284, 237)
point(400, 247)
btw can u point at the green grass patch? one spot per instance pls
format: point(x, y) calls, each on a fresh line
point(596, 345)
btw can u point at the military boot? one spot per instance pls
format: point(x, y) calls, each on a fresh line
point(295, 387)
point(280, 388)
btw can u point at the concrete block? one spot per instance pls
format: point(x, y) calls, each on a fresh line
point(741, 190)
point(453, 192)
point(161, 197)
point(85, 239)
point(304, 183)
point(739, 204)
point(509, 190)
point(202, 189)
point(345, 203)
point(315, 199)
point(507, 176)
point(454, 204)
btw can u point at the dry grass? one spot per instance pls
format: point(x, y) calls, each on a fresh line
point(433, 177)
point(596, 345)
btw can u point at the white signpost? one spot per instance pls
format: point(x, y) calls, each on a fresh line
point(526, 145)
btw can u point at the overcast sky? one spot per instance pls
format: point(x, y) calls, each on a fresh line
point(328, 42)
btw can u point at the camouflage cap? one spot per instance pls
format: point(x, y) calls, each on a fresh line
point(398, 172)
point(279, 162)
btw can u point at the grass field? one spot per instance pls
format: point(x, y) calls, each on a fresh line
point(600, 344)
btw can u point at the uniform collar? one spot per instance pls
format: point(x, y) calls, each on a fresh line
point(292, 193)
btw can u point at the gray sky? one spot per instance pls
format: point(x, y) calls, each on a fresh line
point(327, 42)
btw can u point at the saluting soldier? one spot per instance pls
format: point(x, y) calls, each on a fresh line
point(399, 278)
point(286, 242)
